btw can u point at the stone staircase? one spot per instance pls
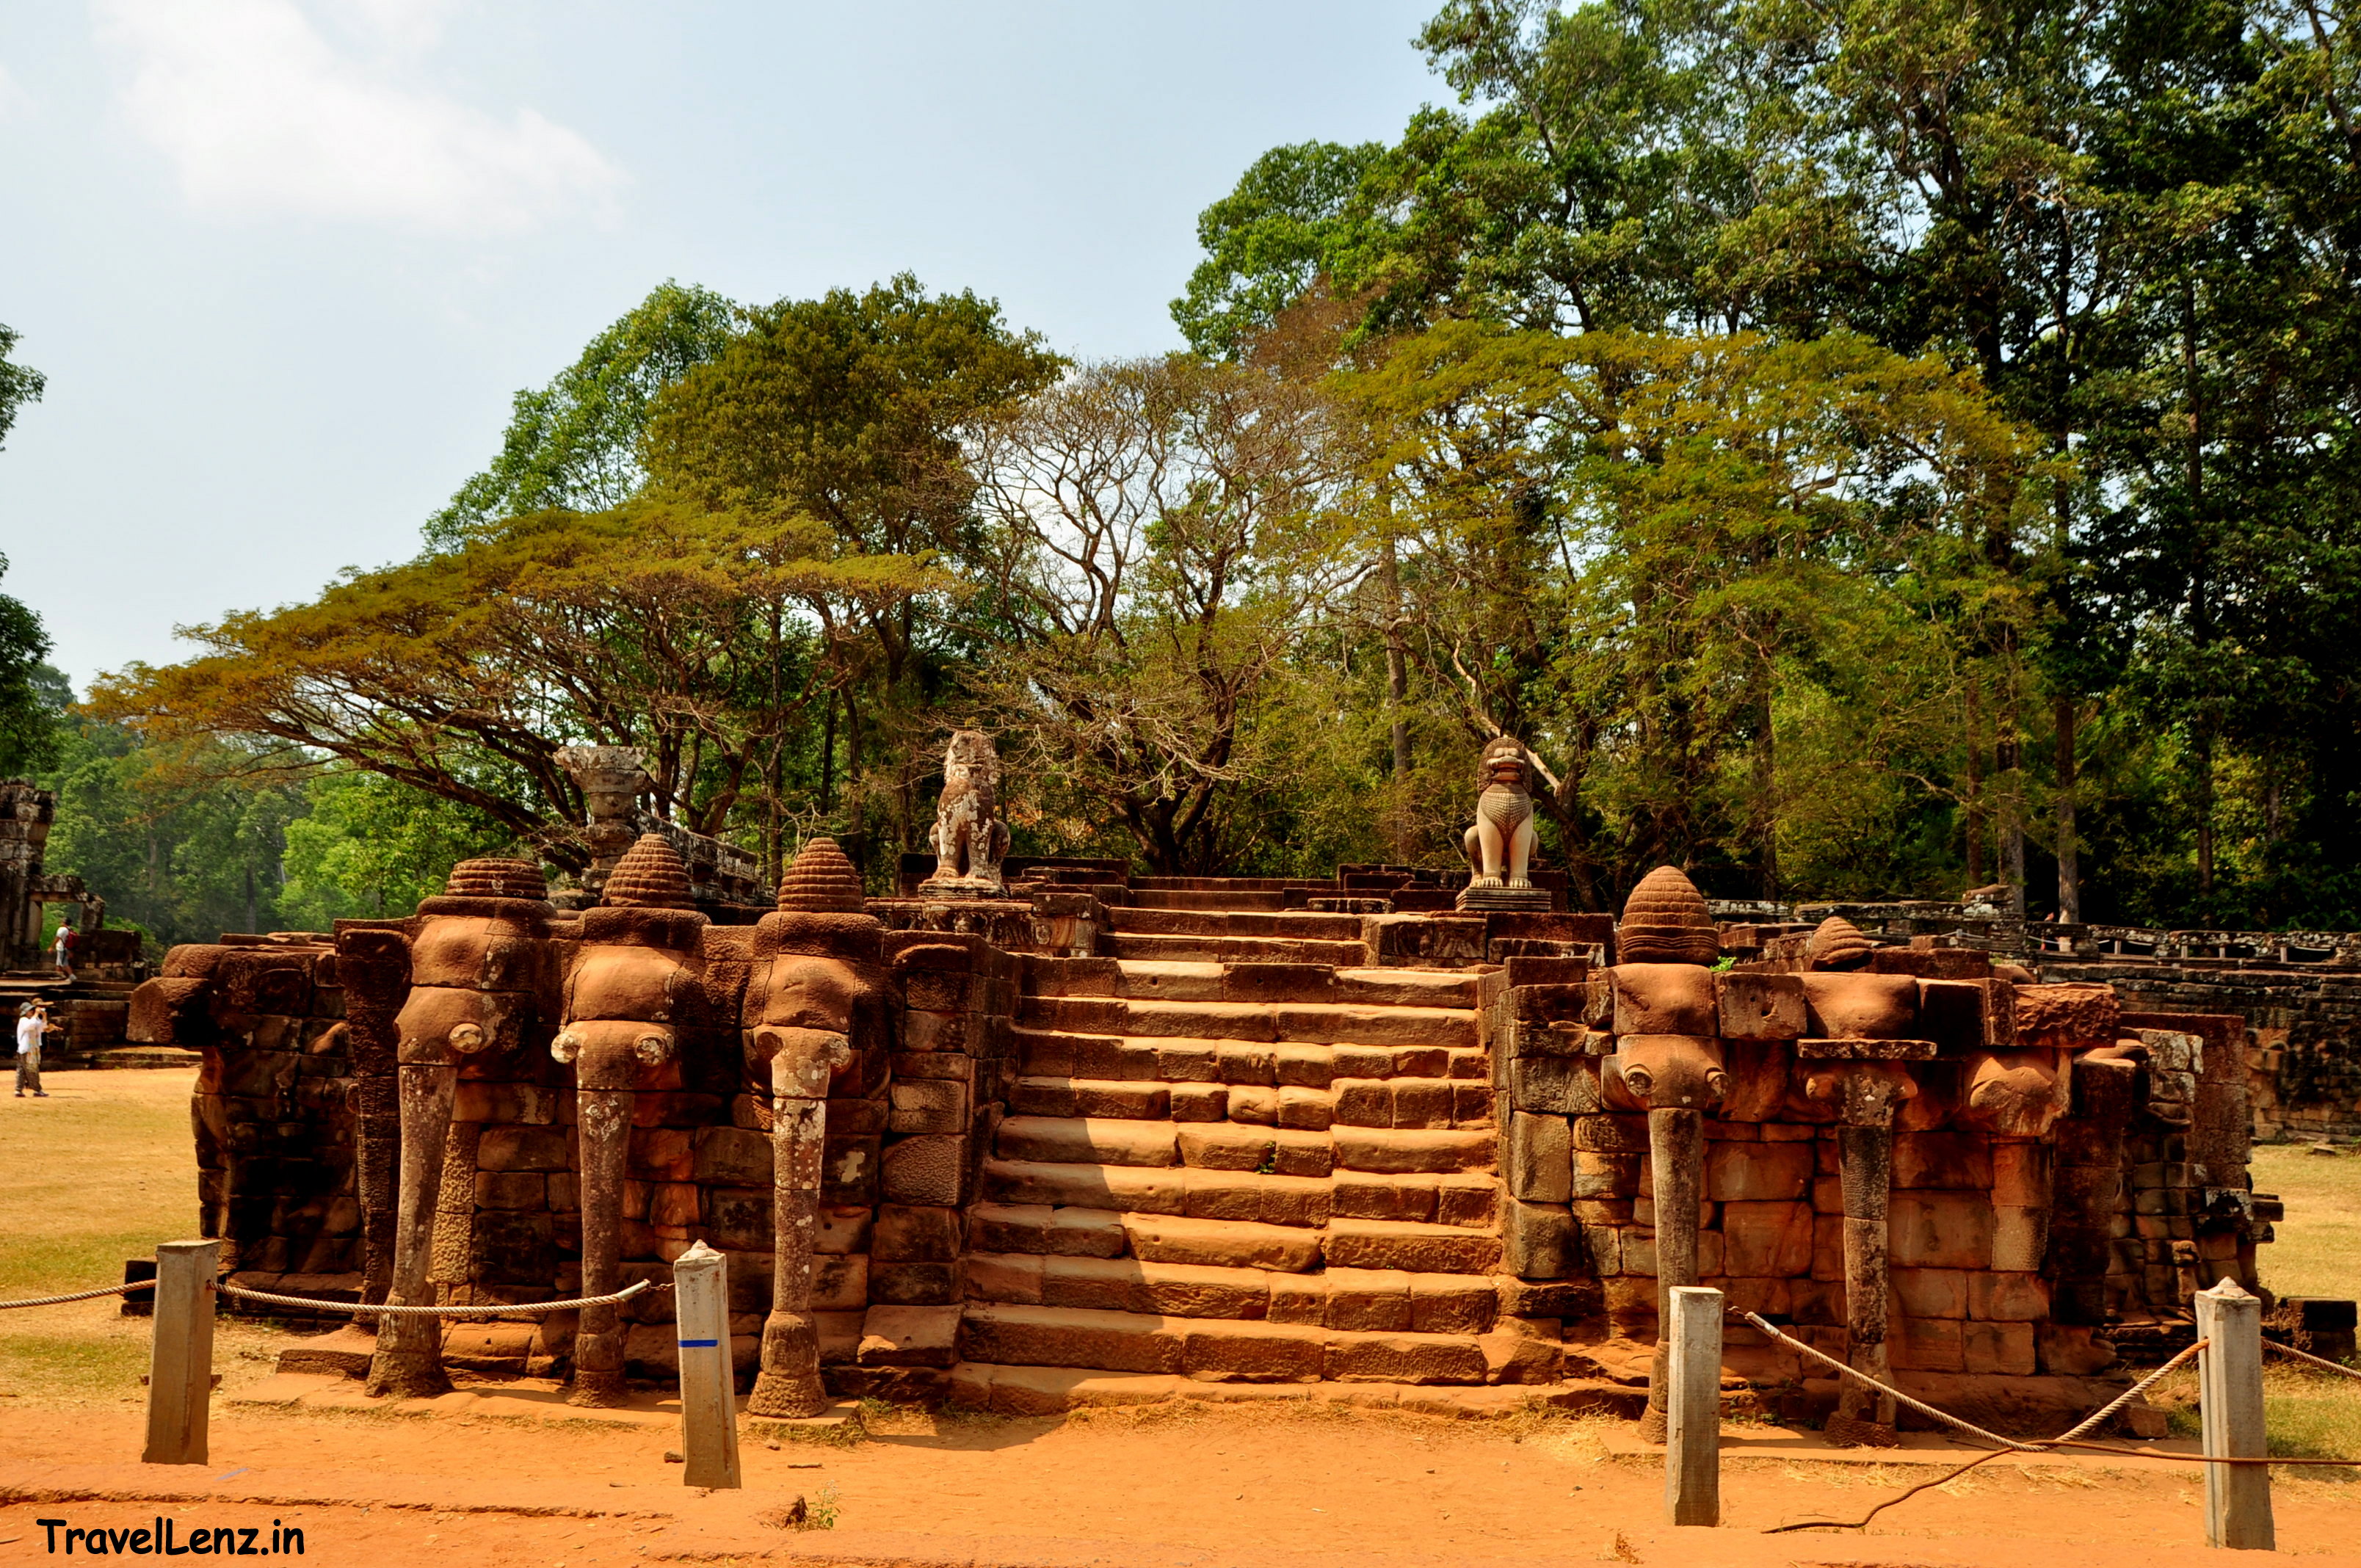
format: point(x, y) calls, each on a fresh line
point(1233, 937)
point(1235, 1156)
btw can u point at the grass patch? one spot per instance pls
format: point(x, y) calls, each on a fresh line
point(2318, 1249)
point(95, 1174)
point(99, 1172)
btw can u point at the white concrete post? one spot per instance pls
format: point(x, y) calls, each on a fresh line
point(2230, 1394)
point(1693, 1408)
point(181, 1357)
point(709, 1407)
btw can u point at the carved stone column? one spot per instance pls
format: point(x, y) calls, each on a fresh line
point(632, 978)
point(1866, 1093)
point(801, 1061)
point(1678, 1078)
point(373, 967)
point(816, 997)
point(438, 1026)
point(1668, 1060)
point(475, 971)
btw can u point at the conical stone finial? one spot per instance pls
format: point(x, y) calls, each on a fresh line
point(1837, 944)
point(649, 876)
point(820, 882)
point(1666, 922)
point(496, 878)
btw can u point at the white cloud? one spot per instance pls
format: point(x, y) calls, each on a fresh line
point(258, 112)
point(14, 100)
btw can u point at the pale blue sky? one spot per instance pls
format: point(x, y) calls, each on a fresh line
point(284, 261)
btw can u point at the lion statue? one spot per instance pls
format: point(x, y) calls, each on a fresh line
point(970, 838)
point(1501, 846)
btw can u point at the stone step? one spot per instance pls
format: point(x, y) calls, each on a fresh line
point(1273, 949)
point(1175, 1059)
point(1057, 1391)
point(1409, 1246)
point(1248, 980)
point(1238, 1220)
point(1052, 1115)
point(1088, 1140)
point(1219, 900)
point(1304, 1023)
point(1131, 920)
point(1224, 883)
point(1374, 1300)
point(1217, 1348)
point(1090, 1097)
point(1193, 1193)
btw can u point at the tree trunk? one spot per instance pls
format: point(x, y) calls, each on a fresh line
point(2070, 871)
point(2206, 810)
point(1767, 800)
point(2008, 755)
point(1975, 801)
point(1397, 694)
point(827, 756)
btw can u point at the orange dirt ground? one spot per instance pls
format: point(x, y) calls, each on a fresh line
point(1184, 1485)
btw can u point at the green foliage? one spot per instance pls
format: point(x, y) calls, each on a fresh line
point(573, 445)
point(170, 837)
point(31, 693)
point(368, 847)
point(2130, 221)
point(19, 384)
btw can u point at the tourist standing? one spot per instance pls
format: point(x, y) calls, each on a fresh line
point(32, 1023)
point(65, 948)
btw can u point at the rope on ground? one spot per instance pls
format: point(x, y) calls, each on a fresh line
point(371, 1309)
point(2320, 1361)
point(2064, 1440)
point(81, 1295)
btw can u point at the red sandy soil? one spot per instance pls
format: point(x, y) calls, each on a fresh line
point(1253, 1486)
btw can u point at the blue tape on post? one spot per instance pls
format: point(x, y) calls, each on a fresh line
point(700, 1343)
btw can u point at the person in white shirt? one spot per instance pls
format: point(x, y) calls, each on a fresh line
point(64, 950)
point(32, 1023)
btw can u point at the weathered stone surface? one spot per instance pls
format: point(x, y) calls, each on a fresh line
point(1767, 1238)
point(925, 1170)
point(1538, 1241)
point(907, 1233)
point(1942, 1230)
point(1665, 999)
point(1860, 1006)
point(1757, 1171)
point(2066, 1016)
point(1759, 1006)
point(1540, 1150)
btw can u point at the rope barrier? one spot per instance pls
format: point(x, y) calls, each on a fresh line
point(2335, 1366)
point(2065, 1440)
point(2007, 1445)
point(1755, 1320)
point(372, 1310)
point(81, 1295)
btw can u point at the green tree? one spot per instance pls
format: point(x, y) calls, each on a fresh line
point(180, 841)
point(851, 411)
point(1162, 536)
point(31, 693)
point(573, 444)
point(367, 848)
point(19, 384)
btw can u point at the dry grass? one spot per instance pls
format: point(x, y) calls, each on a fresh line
point(99, 1172)
point(2318, 1251)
